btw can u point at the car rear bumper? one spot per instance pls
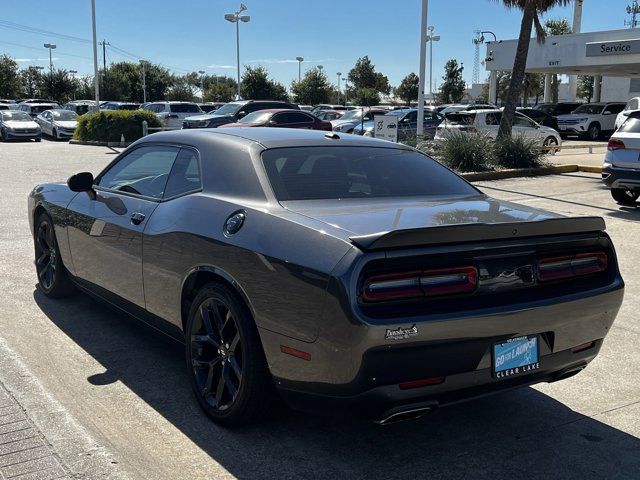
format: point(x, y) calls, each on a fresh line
point(358, 371)
point(624, 178)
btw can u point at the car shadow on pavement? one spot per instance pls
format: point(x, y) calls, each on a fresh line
point(523, 432)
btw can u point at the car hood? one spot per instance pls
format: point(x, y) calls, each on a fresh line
point(66, 124)
point(573, 116)
point(371, 216)
point(20, 124)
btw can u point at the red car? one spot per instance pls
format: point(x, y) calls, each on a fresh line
point(283, 118)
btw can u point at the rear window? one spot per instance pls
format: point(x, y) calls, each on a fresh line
point(129, 106)
point(309, 173)
point(461, 118)
point(632, 125)
point(185, 108)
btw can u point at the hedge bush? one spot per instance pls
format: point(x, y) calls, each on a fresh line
point(110, 125)
point(518, 151)
point(466, 152)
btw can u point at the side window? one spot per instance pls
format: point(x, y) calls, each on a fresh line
point(633, 105)
point(411, 117)
point(299, 118)
point(616, 108)
point(281, 118)
point(185, 174)
point(144, 171)
point(254, 107)
point(522, 121)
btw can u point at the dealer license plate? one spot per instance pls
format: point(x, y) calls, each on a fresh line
point(516, 356)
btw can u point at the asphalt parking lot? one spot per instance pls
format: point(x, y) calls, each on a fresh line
point(124, 390)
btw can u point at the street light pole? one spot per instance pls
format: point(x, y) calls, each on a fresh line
point(423, 61)
point(73, 79)
point(339, 77)
point(202, 72)
point(237, 18)
point(143, 64)
point(96, 79)
point(300, 60)
point(432, 38)
point(50, 46)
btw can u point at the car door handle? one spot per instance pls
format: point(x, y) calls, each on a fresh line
point(137, 218)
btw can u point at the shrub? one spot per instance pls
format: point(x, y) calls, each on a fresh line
point(466, 152)
point(110, 125)
point(517, 151)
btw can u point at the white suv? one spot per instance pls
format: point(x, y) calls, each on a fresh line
point(173, 113)
point(632, 105)
point(590, 120)
point(487, 122)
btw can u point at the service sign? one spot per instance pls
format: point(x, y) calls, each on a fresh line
point(619, 47)
point(386, 127)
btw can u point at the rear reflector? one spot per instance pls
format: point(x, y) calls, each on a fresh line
point(295, 352)
point(583, 347)
point(615, 144)
point(413, 285)
point(421, 383)
point(559, 268)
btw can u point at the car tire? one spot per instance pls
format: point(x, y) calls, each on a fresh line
point(226, 365)
point(594, 132)
point(53, 278)
point(38, 139)
point(3, 135)
point(54, 134)
point(551, 142)
point(625, 197)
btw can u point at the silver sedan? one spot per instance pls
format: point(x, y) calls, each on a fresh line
point(58, 124)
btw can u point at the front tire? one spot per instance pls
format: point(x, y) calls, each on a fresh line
point(551, 142)
point(54, 134)
point(594, 132)
point(53, 279)
point(226, 364)
point(624, 197)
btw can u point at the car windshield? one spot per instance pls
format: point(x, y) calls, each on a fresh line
point(589, 109)
point(42, 108)
point(352, 115)
point(129, 106)
point(308, 173)
point(256, 117)
point(15, 116)
point(65, 115)
point(229, 108)
point(453, 108)
point(550, 109)
point(185, 108)
point(632, 125)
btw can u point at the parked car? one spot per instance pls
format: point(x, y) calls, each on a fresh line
point(15, 124)
point(350, 119)
point(330, 114)
point(323, 106)
point(33, 100)
point(558, 108)
point(232, 112)
point(58, 124)
point(7, 106)
point(120, 106)
point(407, 124)
point(466, 107)
point(590, 120)
point(306, 108)
point(210, 107)
point(281, 118)
point(487, 122)
point(540, 117)
point(35, 109)
point(632, 105)
point(172, 114)
point(337, 272)
point(7, 100)
point(621, 168)
point(79, 106)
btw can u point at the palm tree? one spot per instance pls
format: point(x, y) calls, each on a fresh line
point(531, 11)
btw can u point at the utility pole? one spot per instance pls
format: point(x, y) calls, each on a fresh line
point(104, 44)
point(73, 79)
point(339, 77)
point(423, 65)
point(432, 38)
point(144, 81)
point(96, 79)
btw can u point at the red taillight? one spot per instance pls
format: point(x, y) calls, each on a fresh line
point(615, 144)
point(559, 268)
point(583, 347)
point(415, 285)
point(421, 383)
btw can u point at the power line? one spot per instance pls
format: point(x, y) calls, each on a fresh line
point(40, 50)
point(39, 31)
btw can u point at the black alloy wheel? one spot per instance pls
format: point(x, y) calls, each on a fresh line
point(624, 197)
point(227, 368)
point(53, 279)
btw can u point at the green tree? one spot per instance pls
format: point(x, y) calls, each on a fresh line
point(256, 85)
point(122, 81)
point(31, 81)
point(181, 90)
point(531, 11)
point(84, 88)
point(314, 88)
point(10, 86)
point(452, 89)
point(533, 87)
point(365, 97)
point(57, 85)
point(585, 87)
point(409, 88)
point(220, 92)
point(556, 26)
point(364, 75)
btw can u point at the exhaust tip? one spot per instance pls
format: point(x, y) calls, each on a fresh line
point(404, 415)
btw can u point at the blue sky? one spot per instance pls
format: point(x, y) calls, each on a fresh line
point(190, 35)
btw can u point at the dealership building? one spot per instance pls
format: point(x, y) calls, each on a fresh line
point(612, 57)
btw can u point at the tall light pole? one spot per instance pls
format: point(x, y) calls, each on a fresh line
point(300, 60)
point(50, 46)
point(96, 79)
point(421, 74)
point(237, 18)
point(202, 72)
point(143, 64)
point(431, 38)
point(339, 77)
point(73, 79)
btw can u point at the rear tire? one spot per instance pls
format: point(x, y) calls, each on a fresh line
point(54, 134)
point(53, 278)
point(551, 142)
point(3, 135)
point(226, 364)
point(624, 197)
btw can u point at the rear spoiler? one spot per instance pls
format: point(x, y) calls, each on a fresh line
point(474, 232)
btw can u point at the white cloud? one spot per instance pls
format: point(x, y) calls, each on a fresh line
point(289, 60)
point(228, 67)
point(26, 60)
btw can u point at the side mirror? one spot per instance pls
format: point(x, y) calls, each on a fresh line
point(626, 113)
point(272, 123)
point(607, 112)
point(242, 114)
point(80, 182)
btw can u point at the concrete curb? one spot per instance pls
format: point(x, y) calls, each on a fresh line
point(529, 172)
point(100, 144)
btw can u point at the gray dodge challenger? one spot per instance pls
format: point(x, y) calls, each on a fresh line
point(339, 273)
